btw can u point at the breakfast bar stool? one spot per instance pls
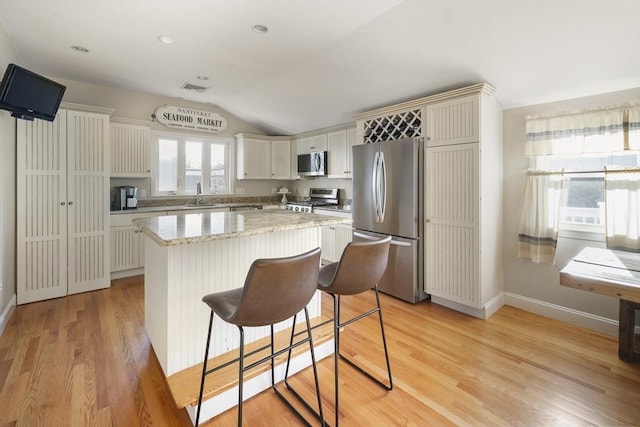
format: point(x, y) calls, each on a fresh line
point(360, 268)
point(274, 290)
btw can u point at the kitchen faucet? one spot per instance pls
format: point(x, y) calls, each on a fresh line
point(198, 193)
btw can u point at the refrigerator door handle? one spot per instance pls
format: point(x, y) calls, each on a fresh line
point(382, 186)
point(364, 236)
point(393, 242)
point(374, 185)
point(399, 243)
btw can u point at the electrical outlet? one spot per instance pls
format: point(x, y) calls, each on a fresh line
point(143, 193)
point(273, 190)
point(239, 190)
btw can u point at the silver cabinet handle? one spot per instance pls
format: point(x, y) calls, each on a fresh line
point(62, 203)
point(70, 203)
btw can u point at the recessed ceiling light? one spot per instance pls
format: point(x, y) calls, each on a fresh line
point(80, 49)
point(165, 39)
point(202, 77)
point(260, 29)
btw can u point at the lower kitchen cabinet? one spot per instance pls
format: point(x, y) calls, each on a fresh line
point(334, 237)
point(126, 248)
point(127, 243)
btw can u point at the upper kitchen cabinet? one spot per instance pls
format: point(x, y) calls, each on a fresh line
point(456, 121)
point(263, 157)
point(130, 150)
point(62, 205)
point(280, 158)
point(339, 144)
point(313, 143)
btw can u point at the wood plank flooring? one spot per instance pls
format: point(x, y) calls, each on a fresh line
point(85, 360)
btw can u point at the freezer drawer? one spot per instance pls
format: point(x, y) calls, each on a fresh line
point(404, 277)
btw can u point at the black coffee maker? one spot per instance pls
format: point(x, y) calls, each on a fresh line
point(124, 197)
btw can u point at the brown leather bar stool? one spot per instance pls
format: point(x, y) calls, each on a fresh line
point(361, 266)
point(274, 290)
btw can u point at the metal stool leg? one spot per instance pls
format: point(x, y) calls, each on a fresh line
point(319, 413)
point(378, 309)
point(240, 375)
point(336, 353)
point(204, 368)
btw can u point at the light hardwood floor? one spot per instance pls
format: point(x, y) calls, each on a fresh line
point(85, 360)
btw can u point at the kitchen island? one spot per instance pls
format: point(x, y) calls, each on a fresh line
point(192, 255)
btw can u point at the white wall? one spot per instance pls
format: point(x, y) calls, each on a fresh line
point(7, 191)
point(523, 278)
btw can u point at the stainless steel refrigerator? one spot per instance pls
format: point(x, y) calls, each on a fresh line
point(388, 200)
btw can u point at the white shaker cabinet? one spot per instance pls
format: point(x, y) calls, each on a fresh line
point(334, 238)
point(254, 158)
point(456, 121)
point(62, 206)
point(130, 150)
point(312, 144)
point(463, 203)
point(339, 162)
point(281, 158)
point(263, 157)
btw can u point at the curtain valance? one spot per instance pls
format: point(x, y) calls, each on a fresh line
point(590, 132)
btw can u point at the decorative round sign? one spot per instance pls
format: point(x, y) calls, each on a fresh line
point(187, 118)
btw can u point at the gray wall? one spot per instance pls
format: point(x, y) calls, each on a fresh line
point(541, 281)
point(7, 188)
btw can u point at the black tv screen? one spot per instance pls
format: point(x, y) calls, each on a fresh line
point(28, 95)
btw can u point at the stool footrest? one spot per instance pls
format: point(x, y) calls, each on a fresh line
point(185, 384)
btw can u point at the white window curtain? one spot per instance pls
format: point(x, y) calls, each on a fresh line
point(589, 132)
point(622, 199)
point(538, 233)
point(634, 128)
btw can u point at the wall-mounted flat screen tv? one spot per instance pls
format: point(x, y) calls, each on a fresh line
point(28, 95)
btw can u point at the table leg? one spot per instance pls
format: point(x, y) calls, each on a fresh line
point(626, 326)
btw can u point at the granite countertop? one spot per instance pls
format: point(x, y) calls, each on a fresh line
point(182, 229)
point(187, 207)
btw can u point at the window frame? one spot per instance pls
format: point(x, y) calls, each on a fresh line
point(205, 181)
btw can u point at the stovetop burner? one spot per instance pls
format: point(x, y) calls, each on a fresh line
point(317, 197)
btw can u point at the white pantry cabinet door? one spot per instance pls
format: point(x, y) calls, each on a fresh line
point(452, 236)
point(41, 197)
point(88, 201)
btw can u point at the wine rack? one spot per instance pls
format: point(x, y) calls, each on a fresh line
point(406, 124)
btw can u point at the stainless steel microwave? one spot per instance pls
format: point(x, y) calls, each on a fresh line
point(312, 164)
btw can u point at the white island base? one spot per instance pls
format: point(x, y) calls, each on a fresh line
point(178, 275)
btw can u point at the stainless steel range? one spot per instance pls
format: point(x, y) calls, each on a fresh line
point(317, 197)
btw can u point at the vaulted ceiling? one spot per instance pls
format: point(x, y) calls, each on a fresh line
point(321, 61)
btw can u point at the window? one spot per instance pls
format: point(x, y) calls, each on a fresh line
point(184, 161)
point(583, 177)
point(582, 202)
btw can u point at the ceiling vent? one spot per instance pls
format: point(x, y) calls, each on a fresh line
point(190, 86)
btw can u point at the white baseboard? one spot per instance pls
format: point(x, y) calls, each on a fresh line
point(565, 314)
point(6, 313)
point(127, 273)
point(481, 313)
point(229, 399)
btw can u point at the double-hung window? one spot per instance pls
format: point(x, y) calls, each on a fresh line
point(184, 161)
point(584, 176)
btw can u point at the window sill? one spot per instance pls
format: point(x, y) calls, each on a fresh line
point(589, 235)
